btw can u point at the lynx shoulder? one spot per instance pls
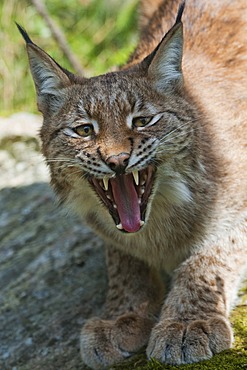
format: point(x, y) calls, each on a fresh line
point(153, 158)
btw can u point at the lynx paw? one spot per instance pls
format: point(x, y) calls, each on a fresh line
point(177, 343)
point(104, 343)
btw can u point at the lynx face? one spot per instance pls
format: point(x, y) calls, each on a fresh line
point(120, 140)
point(119, 130)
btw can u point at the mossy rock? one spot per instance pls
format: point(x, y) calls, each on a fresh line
point(233, 359)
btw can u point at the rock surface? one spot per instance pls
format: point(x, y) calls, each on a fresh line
point(52, 273)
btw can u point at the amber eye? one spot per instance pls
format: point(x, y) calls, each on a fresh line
point(84, 130)
point(141, 121)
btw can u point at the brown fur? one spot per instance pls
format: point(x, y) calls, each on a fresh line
point(195, 221)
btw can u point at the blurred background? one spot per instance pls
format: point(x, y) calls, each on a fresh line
point(100, 34)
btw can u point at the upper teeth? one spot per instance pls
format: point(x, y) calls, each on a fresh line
point(106, 182)
point(136, 176)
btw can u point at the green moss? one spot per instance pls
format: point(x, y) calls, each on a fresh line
point(233, 359)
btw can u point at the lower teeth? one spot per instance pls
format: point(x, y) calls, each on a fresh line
point(120, 226)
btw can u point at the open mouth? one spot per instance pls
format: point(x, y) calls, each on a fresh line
point(126, 197)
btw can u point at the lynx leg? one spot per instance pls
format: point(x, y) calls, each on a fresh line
point(194, 321)
point(132, 305)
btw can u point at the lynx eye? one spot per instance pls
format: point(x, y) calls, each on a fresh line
point(84, 130)
point(141, 121)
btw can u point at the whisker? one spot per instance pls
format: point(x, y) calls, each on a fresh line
point(166, 143)
point(60, 159)
point(176, 129)
point(67, 176)
point(170, 140)
point(173, 134)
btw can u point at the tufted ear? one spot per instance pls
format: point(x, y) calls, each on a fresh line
point(165, 67)
point(49, 77)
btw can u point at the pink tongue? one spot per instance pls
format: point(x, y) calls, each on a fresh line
point(126, 199)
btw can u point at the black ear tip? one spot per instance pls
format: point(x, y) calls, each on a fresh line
point(180, 12)
point(24, 34)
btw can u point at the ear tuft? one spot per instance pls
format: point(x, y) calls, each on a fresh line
point(24, 34)
point(180, 12)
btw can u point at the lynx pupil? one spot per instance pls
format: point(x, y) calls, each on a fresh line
point(141, 121)
point(84, 130)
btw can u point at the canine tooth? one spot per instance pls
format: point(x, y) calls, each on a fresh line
point(106, 182)
point(119, 226)
point(139, 200)
point(142, 223)
point(136, 176)
point(114, 206)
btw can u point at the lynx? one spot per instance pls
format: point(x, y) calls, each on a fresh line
point(153, 158)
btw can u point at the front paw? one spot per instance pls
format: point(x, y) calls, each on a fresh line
point(107, 342)
point(176, 343)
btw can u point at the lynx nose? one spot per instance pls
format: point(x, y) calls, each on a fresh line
point(118, 163)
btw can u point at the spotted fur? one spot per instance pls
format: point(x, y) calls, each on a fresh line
point(192, 84)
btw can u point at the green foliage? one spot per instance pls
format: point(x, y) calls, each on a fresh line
point(100, 33)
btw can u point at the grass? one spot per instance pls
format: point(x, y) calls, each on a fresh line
point(100, 33)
